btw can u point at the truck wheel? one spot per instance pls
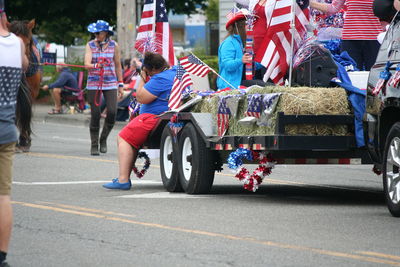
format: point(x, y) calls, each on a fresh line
point(391, 167)
point(168, 162)
point(196, 166)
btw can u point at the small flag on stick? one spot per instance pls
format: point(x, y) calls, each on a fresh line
point(194, 66)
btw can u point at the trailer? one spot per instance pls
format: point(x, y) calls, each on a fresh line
point(189, 158)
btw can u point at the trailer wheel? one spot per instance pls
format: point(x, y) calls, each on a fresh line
point(169, 162)
point(196, 166)
point(391, 167)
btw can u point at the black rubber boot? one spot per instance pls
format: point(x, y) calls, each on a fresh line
point(94, 138)
point(103, 138)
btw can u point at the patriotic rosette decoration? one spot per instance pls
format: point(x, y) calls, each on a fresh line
point(175, 125)
point(146, 166)
point(384, 76)
point(395, 79)
point(250, 181)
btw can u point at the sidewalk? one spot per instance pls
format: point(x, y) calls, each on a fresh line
point(80, 119)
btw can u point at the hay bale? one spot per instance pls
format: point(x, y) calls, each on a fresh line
point(293, 101)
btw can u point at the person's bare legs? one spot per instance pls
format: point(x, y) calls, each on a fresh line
point(57, 98)
point(126, 158)
point(5, 222)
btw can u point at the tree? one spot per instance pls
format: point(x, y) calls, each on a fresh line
point(63, 21)
point(212, 10)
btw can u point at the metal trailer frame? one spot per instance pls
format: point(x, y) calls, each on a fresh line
point(286, 149)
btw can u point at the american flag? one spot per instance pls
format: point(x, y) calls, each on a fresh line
point(232, 13)
point(254, 105)
point(395, 79)
point(154, 32)
point(181, 81)
point(275, 49)
point(194, 66)
point(223, 115)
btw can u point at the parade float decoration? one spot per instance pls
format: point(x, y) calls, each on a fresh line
point(250, 181)
point(146, 165)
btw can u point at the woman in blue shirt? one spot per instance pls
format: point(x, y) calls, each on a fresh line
point(230, 53)
point(153, 95)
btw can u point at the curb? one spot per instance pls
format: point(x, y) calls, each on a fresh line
point(78, 119)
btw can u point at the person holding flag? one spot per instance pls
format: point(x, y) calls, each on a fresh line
point(230, 53)
point(153, 95)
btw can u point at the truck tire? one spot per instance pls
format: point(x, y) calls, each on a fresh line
point(169, 162)
point(391, 167)
point(196, 165)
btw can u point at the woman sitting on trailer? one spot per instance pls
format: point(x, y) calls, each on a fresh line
point(153, 95)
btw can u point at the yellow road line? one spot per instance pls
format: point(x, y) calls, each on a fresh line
point(218, 235)
point(381, 255)
point(55, 156)
point(87, 209)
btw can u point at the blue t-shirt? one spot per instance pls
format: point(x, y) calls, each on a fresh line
point(159, 85)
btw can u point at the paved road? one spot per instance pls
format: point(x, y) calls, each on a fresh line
point(301, 216)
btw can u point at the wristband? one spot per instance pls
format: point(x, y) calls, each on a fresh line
point(120, 84)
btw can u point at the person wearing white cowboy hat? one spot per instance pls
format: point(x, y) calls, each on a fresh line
point(103, 60)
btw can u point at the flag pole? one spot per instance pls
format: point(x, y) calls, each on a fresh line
point(214, 71)
point(292, 28)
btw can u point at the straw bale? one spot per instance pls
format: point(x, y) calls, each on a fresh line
point(293, 101)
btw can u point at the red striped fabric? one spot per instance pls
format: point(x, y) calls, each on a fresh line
point(154, 33)
point(194, 66)
point(275, 49)
point(360, 22)
point(181, 81)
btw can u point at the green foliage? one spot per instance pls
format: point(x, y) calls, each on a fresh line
point(212, 10)
point(199, 50)
point(212, 62)
point(184, 6)
point(62, 21)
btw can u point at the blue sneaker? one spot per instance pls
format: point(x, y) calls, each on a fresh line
point(115, 184)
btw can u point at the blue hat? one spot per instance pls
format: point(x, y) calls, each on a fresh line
point(100, 26)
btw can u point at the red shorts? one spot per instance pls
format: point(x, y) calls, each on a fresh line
point(138, 129)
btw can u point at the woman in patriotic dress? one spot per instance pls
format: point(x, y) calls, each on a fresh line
point(102, 58)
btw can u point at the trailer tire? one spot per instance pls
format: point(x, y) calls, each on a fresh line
point(196, 162)
point(169, 162)
point(391, 170)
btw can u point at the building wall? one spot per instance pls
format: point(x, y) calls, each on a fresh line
point(224, 7)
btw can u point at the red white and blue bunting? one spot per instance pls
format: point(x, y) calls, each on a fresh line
point(250, 181)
